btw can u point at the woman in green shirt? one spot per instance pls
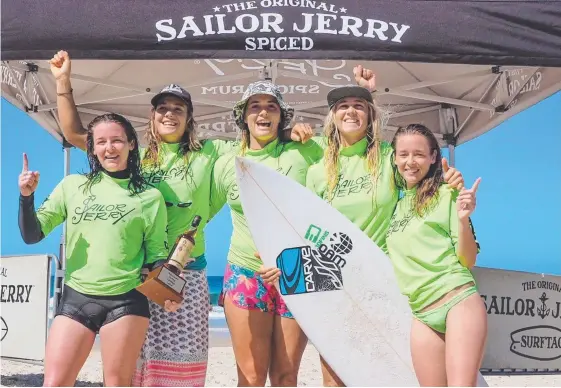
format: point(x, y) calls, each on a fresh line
point(115, 226)
point(432, 246)
point(265, 336)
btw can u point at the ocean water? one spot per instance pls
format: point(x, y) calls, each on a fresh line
point(214, 288)
point(216, 318)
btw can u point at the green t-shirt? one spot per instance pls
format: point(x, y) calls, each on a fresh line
point(291, 159)
point(110, 233)
point(369, 205)
point(185, 184)
point(423, 250)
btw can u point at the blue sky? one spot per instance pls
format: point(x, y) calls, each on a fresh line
point(517, 218)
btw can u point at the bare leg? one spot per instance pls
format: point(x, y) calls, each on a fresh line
point(466, 334)
point(68, 346)
point(289, 342)
point(428, 353)
point(330, 378)
point(121, 341)
point(251, 332)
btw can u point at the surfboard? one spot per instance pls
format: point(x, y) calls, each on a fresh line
point(338, 284)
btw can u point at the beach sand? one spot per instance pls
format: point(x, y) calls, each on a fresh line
point(222, 371)
point(222, 366)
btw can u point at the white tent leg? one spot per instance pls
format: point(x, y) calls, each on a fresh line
point(452, 155)
point(448, 125)
point(63, 237)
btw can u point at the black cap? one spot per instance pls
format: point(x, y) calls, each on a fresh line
point(348, 91)
point(196, 221)
point(173, 90)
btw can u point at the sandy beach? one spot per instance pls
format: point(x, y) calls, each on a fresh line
point(222, 367)
point(222, 371)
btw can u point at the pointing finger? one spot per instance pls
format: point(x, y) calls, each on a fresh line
point(476, 185)
point(25, 163)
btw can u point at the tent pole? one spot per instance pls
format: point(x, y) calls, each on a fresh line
point(448, 125)
point(452, 155)
point(63, 237)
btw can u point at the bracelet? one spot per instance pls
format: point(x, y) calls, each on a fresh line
point(62, 94)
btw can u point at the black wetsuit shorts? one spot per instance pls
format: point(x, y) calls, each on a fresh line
point(96, 311)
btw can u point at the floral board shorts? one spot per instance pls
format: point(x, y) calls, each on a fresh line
point(248, 291)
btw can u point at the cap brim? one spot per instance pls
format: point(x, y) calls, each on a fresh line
point(338, 94)
point(158, 97)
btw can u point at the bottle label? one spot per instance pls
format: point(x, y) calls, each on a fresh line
point(182, 252)
point(171, 280)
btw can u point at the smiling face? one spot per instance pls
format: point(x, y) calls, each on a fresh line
point(413, 157)
point(111, 146)
point(351, 119)
point(170, 119)
point(262, 116)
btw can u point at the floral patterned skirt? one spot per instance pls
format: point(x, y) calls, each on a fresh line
point(175, 352)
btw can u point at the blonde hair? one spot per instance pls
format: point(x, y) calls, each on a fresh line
point(373, 148)
point(188, 142)
point(244, 141)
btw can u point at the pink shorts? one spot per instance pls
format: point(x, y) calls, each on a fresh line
point(248, 291)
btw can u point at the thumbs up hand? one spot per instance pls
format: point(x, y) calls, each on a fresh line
point(466, 201)
point(452, 176)
point(28, 180)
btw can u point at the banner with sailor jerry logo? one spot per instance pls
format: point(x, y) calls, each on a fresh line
point(471, 32)
point(24, 306)
point(524, 319)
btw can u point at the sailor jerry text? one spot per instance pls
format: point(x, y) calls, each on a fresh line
point(304, 28)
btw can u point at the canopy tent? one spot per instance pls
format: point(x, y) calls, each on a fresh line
point(460, 67)
point(459, 102)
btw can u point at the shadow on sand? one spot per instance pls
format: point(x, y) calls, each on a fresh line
point(36, 380)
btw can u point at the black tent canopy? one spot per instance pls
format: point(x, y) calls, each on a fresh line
point(460, 67)
point(514, 32)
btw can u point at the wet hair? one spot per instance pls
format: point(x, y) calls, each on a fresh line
point(187, 143)
point(373, 148)
point(427, 189)
point(137, 183)
point(245, 134)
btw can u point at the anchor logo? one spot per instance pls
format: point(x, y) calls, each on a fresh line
point(543, 310)
point(4, 329)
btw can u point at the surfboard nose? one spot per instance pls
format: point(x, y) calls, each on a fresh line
point(241, 164)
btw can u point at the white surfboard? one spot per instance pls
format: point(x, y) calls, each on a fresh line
point(339, 285)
